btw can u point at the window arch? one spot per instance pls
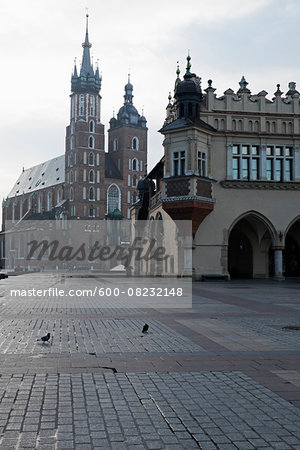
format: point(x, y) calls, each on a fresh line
point(91, 193)
point(91, 159)
point(113, 198)
point(92, 126)
point(92, 176)
point(71, 176)
point(135, 143)
point(115, 145)
point(91, 142)
point(135, 164)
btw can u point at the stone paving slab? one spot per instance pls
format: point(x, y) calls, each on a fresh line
point(222, 374)
point(176, 410)
point(89, 335)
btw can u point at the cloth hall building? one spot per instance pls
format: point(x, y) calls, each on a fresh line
point(231, 165)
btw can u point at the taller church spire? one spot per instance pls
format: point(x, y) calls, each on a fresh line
point(88, 80)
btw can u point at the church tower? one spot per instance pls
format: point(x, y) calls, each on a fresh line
point(127, 146)
point(84, 156)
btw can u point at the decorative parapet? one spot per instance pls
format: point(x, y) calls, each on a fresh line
point(261, 185)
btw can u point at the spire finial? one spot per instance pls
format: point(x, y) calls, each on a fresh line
point(189, 65)
point(129, 78)
point(178, 70)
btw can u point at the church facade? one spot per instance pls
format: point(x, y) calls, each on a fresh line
point(86, 182)
point(231, 166)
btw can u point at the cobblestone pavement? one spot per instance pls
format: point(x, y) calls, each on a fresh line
point(223, 374)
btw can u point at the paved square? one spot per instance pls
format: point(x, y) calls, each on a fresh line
point(223, 374)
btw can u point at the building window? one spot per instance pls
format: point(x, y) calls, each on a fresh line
point(72, 142)
point(135, 143)
point(81, 105)
point(92, 126)
point(129, 164)
point(134, 198)
point(113, 198)
point(245, 162)
point(128, 197)
point(92, 176)
point(135, 164)
point(134, 181)
point(128, 180)
point(202, 163)
point(91, 142)
point(92, 105)
point(91, 194)
point(179, 163)
point(279, 163)
point(84, 210)
point(98, 194)
point(91, 159)
point(84, 158)
point(98, 176)
point(58, 196)
point(91, 212)
point(84, 193)
point(84, 174)
point(71, 194)
point(71, 177)
point(141, 165)
point(98, 159)
point(115, 145)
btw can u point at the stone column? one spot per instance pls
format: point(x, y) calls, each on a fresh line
point(278, 264)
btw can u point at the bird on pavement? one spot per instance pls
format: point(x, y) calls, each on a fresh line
point(145, 328)
point(44, 338)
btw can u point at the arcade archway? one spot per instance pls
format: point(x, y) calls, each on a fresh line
point(250, 239)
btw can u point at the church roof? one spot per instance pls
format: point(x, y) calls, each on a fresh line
point(46, 174)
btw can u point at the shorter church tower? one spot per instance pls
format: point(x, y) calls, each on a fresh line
point(127, 147)
point(85, 157)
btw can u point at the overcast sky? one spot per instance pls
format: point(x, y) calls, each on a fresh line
point(39, 40)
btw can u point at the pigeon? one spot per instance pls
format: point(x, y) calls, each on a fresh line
point(44, 338)
point(145, 328)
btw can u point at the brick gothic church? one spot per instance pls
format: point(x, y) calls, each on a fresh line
point(86, 182)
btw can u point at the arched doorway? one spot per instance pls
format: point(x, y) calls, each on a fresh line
point(239, 255)
point(249, 242)
point(291, 253)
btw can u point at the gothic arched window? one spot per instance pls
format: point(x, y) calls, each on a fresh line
point(91, 193)
point(92, 176)
point(91, 142)
point(135, 143)
point(92, 126)
point(113, 198)
point(91, 159)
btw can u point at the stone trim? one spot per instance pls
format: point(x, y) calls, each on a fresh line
point(187, 197)
point(261, 185)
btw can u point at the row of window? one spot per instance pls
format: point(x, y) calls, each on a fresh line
point(274, 163)
point(91, 142)
point(90, 211)
point(91, 159)
point(179, 163)
point(254, 126)
point(133, 180)
point(134, 164)
point(134, 144)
